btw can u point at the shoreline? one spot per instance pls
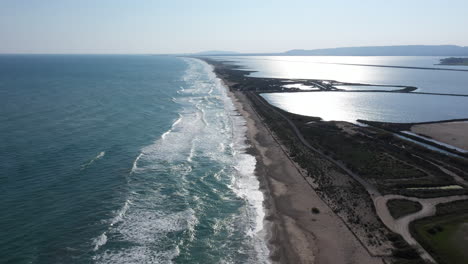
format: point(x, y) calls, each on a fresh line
point(309, 166)
point(294, 233)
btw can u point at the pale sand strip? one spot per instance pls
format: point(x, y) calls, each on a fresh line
point(297, 235)
point(452, 133)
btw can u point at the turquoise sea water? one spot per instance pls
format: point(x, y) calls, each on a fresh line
point(123, 159)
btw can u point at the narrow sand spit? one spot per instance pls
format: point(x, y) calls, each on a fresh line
point(452, 133)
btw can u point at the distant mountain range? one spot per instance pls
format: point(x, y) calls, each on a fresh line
point(407, 50)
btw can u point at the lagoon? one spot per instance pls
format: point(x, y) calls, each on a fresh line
point(346, 69)
point(384, 107)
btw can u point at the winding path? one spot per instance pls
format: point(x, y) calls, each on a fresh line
point(373, 192)
point(401, 225)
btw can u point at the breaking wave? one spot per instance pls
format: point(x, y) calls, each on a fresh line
point(99, 156)
point(193, 196)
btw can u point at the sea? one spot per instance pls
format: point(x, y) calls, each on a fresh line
point(144, 159)
point(445, 87)
point(124, 159)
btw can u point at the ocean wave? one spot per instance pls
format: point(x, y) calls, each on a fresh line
point(185, 187)
point(138, 255)
point(98, 156)
point(100, 241)
point(120, 214)
point(135, 163)
point(172, 127)
point(245, 184)
point(142, 231)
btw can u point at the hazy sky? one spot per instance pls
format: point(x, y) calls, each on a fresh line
point(172, 26)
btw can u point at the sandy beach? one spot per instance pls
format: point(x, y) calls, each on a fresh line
point(452, 133)
point(322, 181)
point(297, 235)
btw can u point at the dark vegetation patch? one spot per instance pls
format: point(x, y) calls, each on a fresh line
point(401, 207)
point(369, 160)
point(431, 193)
point(403, 253)
point(374, 153)
point(442, 236)
point(457, 207)
point(399, 127)
point(454, 61)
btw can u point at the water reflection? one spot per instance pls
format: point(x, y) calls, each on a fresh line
point(321, 67)
point(299, 86)
point(388, 107)
point(366, 87)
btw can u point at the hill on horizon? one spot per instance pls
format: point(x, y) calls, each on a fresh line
point(216, 52)
point(397, 50)
point(403, 50)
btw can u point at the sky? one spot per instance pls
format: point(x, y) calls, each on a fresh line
point(185, 26)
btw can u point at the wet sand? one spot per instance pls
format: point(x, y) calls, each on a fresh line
point(452, 133)
point(296, 235)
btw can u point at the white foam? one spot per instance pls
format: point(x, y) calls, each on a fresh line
point(192, 152)
point(208, 131)
point(245, 184)
point(172, 127)
point(142, 229)
point(135, 163)
point(99, 156)
point(100, 241)
point(138, 255)
point(120, 214)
